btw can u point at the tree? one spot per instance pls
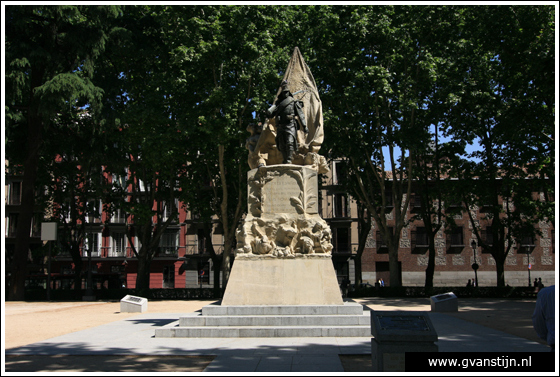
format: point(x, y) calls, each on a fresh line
point(75, 184)
point(380, 89)
point(50, 55)
point(150, 149)
point(507, 106)
point(431, 160)
point(225, 81)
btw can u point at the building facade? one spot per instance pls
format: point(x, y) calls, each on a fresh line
point(184, 259)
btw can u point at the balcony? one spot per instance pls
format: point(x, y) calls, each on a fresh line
point(168, 251)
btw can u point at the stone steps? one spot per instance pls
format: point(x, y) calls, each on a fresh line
point(263, 331)
point(254, 321)
point(347, 308)
point(288, 320)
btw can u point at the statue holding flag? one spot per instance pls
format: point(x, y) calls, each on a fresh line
point(293, 131)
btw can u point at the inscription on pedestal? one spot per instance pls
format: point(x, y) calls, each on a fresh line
point(283, 218)
point(277, 194)
point(410, 323)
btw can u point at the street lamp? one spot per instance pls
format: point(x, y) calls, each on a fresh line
point(474, 265)
point(528, 264)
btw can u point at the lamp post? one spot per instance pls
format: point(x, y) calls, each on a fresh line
point(89, 283)
point(474, 265)
point(528, 265)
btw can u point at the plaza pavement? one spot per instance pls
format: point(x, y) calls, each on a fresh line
point(96, 337)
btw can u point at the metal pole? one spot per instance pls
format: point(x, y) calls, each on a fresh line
point(475, 265)
point(89, 291)
point(528, 267)
point(476, 272)
point(49, 272)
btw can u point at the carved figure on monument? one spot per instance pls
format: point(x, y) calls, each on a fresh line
point(288, 115)
point(283, 218)
point(281, 140)
point(255, 130)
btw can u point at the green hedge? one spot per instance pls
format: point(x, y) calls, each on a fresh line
point(40, 294)
point(482, 292)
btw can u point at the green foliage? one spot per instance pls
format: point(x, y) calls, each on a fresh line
point(171, 90)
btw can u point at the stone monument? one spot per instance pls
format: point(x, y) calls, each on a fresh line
point(282, 283)
point(283, 254)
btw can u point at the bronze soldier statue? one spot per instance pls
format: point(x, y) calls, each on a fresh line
point(287, 111)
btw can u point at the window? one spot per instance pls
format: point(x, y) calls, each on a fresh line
point(141, 185)
point(203, 273)
point(527, 243)
point(168, 208)
point(120, 180)
point(340, 205)
point(36, 221)
point(415, 202)
point(119, 216)
point(487, 236)
point(11, 224)
point(201, 241)
point(14, 193)
point(95, 246)
point(94, 210)
point(380, 240)
point(66, 211)
point(389, 199)
point(341, 240)
point(456, 237)
point(118, 244)
point(420, 237)
point(169, 242)
point(169, 276)
point(339, 173)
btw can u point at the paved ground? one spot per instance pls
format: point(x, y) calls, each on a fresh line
point(95, 336)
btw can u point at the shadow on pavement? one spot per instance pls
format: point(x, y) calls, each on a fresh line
point(106, 363)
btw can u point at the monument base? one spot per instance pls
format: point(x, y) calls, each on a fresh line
point(271, 321)
point(303, 280)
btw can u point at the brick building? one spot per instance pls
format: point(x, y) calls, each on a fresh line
point(530, 258)
point(184, 260)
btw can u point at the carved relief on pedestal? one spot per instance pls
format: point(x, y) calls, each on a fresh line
point(283, 219)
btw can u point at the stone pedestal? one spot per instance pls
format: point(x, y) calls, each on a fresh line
point(283, 254)
point(134, 304)
point(446, 302)
point(303, 280)
point(283, 282)
point(398, 332)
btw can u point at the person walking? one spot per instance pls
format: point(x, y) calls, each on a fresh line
point(543, 316)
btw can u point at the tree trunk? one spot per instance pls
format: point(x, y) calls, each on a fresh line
point(364, 219)
point(18, 269)
point(358, 270)
point(143, 273)
point(216, 258)
point(429, 282)
point(217, 262)
point(229, 242)
point(78, 268)
point(500, 272)
point(394, 275)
